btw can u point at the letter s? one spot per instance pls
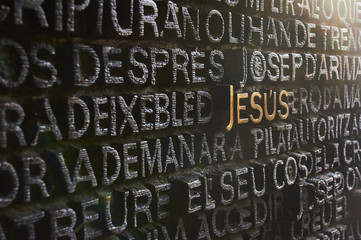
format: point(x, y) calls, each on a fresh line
point(256, 107)
point(283, 104)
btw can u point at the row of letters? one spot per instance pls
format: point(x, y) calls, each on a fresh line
point(169, 17)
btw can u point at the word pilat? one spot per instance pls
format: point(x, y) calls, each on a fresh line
point(282, 137)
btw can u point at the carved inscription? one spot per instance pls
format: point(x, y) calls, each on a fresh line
point(145, 119)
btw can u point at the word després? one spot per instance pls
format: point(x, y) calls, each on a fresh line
point(109, 64)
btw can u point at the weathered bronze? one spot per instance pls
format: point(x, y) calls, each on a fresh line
point(159, 119)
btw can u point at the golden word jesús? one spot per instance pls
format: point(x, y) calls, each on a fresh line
point(259, 102)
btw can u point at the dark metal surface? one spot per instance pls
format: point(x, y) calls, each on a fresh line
point(158, 119)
